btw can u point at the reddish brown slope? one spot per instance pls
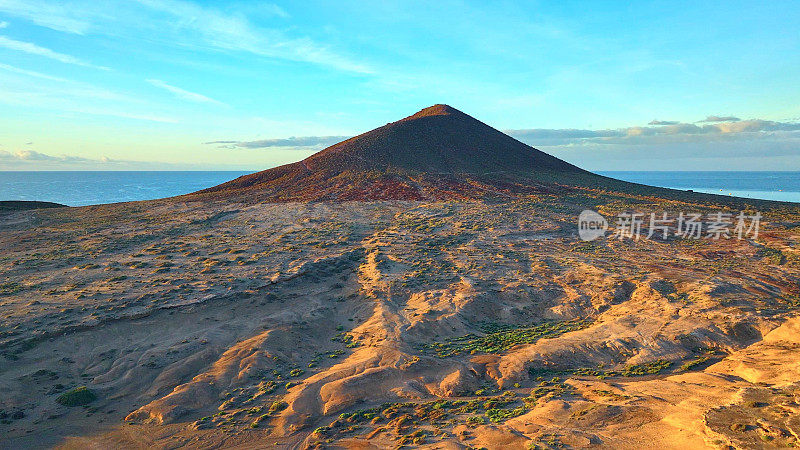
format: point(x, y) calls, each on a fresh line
point(437, 153)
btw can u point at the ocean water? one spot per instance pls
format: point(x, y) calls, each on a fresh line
point(91, 188)
point(781, 186)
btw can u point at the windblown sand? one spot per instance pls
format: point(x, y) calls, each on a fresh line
point(379, 324)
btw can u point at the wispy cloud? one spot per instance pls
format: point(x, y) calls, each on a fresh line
point(68, 96)
point(302, 143)
point(184, 23)
point(663, 122)
point(720, 119)
point(236, 33)
point(33, 49)
point(33, 160)
point(184, 94)
point(73, 104)
point(57, 16)
point(126, 115)
point(31, 73)
point(31, 155)
point(3, 24)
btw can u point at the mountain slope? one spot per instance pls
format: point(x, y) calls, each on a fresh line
point(437, 153)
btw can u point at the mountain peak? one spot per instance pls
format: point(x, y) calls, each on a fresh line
point(435, 110)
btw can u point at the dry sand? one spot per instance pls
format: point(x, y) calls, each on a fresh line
point(220, 324)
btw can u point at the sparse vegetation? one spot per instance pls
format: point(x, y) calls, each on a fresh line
point(498, 338)
point(632, 370)
point(771, 255)
point(548, 390)
point(401, 418)
point(347, 339)
point(476, 420)
point(499, 415)
point(9, 288)
point(650, 368)
point(611, 395)
point(689, 365)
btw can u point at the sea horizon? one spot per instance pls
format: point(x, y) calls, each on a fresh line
point(114, 186)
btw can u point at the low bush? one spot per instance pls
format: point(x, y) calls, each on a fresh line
point(77, 397)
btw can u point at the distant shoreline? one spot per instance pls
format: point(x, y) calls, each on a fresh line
point(17, 205)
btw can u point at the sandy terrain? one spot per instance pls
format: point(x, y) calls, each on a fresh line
point(380, 324)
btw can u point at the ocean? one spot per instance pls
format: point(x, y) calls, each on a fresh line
point(781, 186)
point(91, 188)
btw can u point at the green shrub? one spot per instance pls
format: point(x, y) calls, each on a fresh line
point(476, 420)
point(322, 431)
point(498, 415)
point(278, 405)
point(267, 387)
point(77, 397)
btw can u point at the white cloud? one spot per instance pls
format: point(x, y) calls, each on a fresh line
point(234, 32)
point(721, 119)
point(300, 143)
point(675, 132)
point(768, 152)
point(72, 97)
point(744, 145)
point(32, 160)
point(126, 115)
point(184, 94)
point(3, 24)
point(30, 155)
point(182, 23)
point(34, 49)
point(58, 16)
point(31, 73)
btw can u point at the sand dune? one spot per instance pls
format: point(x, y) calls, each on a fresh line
point(263, 323)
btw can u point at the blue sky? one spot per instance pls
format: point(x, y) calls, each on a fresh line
point(175, 84)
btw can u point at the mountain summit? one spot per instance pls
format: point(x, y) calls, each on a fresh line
point(437, 153)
